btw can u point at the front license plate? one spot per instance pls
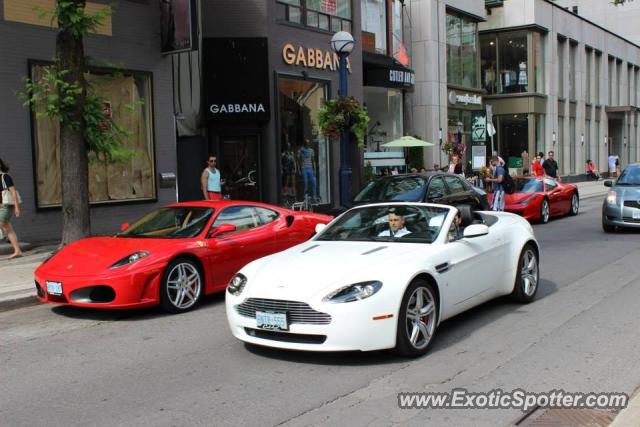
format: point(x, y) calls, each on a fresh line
point(54, 288)
point(635, 214)
point(266, 320)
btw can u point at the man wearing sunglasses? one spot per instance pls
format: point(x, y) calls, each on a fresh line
point(211, 181)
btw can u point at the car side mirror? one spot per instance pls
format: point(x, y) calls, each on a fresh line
point(320, 227)
point(608, 183)
point(221, 229)
point(124, 226)
point(475, 230)
point(289, 219)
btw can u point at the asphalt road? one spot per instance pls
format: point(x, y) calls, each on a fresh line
point(65, 366)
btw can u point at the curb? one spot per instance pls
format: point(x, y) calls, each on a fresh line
point(18, 302)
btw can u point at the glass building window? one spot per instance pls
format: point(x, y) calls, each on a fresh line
point(129, 102)
point(374, 25)
point(489, 63)
point(304, 151)
point(399, 50)
point(512, 59)
point(462, 51)
point(334, 15)
point(459, 127)
point(385, 107)
point(537, 41)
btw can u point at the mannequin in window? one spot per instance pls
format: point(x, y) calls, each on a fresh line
point(522, 76)
point(490, 79)
point(288, 163)
point(307, 167)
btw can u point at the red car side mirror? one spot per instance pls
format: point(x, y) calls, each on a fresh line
point(221, 229)
point(124, 226)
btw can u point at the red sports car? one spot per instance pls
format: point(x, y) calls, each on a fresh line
point(172, 256)
point(538, 198)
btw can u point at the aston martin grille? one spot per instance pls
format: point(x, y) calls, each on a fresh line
point(297, 312)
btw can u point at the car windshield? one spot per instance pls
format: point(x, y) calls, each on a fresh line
point(528, 185)
point(629, 176)
point(170, 223)
point(401, 189)
point(390, 223)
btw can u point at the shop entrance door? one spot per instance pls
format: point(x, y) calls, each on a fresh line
point(238, 162)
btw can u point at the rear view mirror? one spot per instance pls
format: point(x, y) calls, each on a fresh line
point(124, 226)
point(221, 229)
point(320, 227)
point(608, 183)
point(475, 230)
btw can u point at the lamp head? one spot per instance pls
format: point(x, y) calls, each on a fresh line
point(342, 42)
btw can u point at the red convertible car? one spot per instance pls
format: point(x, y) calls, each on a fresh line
point(540, 198)
point(172, 256)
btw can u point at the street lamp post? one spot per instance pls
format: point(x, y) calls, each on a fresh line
point(342, 44)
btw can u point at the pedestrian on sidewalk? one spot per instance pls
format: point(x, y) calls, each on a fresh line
point(614, 163)
point(498, 187)
point(591, 171)
point(211, 181)
point(550, 166)
point(9, 206)
point(536, 166)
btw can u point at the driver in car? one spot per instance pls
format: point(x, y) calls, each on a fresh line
point(396, 225)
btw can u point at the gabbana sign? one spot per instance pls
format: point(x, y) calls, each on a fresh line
point(320, 59)
point(236, 79)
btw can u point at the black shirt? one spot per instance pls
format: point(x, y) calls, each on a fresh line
point(7, 182)
point(550, 167)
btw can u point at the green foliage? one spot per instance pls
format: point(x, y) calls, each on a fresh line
point(343, 115)
point(54, 97)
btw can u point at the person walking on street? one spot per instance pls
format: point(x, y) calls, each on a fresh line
point(536, 166)
point(614, 163)
point(211, 181)
point(550, 166)
point(498, 187)
point(9, 206)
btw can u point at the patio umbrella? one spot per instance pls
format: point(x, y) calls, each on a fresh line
point(407, 141)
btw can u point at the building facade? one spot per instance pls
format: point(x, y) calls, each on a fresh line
point(558, 82)
point(267, 70)
point(139, 99)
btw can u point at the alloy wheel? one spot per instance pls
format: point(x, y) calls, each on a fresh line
point(529, 272)
point(183, 285)
point(575, 204)
point(420, 318)
point(544, 211)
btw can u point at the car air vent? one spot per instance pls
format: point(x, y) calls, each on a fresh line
point(374, 250)
point(309, 248)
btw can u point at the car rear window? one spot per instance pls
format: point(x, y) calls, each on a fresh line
point(405, 189)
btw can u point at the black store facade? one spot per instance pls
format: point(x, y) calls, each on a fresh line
point(261, 101)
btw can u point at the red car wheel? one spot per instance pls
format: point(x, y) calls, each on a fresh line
point(181, 286)
point(544, 211)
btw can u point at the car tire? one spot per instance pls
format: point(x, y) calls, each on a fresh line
point(182, 286)
point(527, 275)
point(414, 333)
point(575, 204)
point(544, 207)
point(608, 228)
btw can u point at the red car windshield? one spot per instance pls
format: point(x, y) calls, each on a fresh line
point(528, 185)
point(170, 223)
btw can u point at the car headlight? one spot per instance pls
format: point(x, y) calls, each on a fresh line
point(355, 292)
point(612, 197)
point(136, 256)
point(528, 199)
point(237, 284)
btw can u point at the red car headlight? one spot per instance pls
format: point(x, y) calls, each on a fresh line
point(136, 256)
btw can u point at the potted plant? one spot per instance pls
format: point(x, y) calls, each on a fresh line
point(343, 115)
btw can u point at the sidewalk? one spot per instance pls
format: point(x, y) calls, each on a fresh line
point(629, 416)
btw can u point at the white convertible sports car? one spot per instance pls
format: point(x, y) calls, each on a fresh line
point(383, 276)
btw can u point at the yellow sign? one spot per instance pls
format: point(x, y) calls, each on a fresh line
point(311, 57)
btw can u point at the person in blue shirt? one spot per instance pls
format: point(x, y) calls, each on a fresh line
point(211, 181)
point(307, 168)
point(498, 188)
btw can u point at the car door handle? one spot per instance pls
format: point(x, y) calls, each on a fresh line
point(441, 268)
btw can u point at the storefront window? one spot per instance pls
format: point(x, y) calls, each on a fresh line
point(462, 51)
point(333, 15)
point(304, 156)
point(385, 112)
point(459, 128)
point(489, 63)
point(374, 26)
point(513, 135)
point(538, 58)
point(129, 103)
point(512, 59)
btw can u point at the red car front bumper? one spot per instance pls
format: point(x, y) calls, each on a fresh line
point(125, 290)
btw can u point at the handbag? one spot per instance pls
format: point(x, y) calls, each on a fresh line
point(7, 197)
